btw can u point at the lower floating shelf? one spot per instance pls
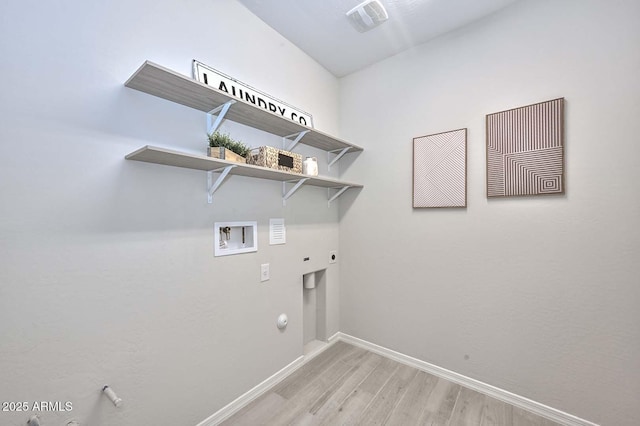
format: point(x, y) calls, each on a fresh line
point(167, 157)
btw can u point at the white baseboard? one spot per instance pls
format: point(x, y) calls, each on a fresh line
point(237, 404)
point(494, 392)
point(243, 400)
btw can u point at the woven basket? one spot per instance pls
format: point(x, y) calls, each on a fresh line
point(274, 158)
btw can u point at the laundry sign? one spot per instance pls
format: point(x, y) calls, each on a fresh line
point(214, 78)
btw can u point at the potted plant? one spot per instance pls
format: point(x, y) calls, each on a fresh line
point(222, 146)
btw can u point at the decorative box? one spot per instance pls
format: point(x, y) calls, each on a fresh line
point(274, 158)
point(225, 154)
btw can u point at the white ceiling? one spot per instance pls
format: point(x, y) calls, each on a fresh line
point(320, 28)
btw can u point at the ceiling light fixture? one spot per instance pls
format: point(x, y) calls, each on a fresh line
point(367, 15)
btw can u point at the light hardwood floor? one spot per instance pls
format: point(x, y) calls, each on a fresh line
point(346, 385)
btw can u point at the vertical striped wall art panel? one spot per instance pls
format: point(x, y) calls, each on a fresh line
point(440, 170)
point(525, 150)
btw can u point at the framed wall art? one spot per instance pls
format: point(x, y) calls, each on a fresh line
point(440, 170)
point(525, 150)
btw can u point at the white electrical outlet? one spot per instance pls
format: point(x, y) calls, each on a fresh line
point(264, 272)
point(333, 256)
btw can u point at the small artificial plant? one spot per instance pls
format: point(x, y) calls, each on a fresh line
point(224, 140)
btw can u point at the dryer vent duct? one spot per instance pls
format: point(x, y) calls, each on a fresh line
point(367, 15)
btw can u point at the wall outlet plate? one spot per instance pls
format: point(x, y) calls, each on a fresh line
point(333, 256)
point(264, 272)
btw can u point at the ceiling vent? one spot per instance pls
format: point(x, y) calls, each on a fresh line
point(367, 15)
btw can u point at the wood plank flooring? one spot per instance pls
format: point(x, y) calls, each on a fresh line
point(347, 385)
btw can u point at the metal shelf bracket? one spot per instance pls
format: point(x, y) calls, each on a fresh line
point(294, 142)
point(333, 197)
point(287, 194)
point(340, 153)
point(222, 110)
point(213, 186)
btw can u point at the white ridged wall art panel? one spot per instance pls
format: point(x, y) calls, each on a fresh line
point(440, 170)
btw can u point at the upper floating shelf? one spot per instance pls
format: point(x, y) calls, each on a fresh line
point(167, 84)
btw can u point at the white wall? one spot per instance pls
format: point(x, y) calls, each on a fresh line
point(542, 293)
point(107, 271)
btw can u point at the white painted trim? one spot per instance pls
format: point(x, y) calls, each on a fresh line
point(335, 338)
point(237, 404)
point(494, 392)
point(243, 400)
